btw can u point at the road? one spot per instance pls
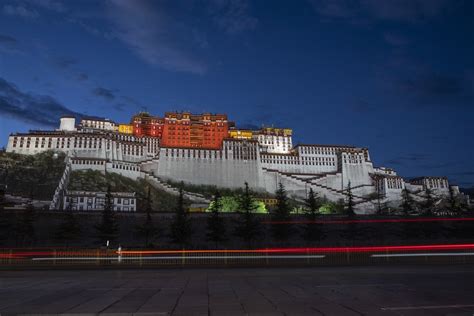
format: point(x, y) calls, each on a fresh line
point(343, 290)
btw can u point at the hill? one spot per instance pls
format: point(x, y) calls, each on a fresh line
point(92, 180)
point(33, 176)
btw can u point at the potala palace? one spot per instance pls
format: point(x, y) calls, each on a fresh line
point(208, 149)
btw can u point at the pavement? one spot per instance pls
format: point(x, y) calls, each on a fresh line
point(343, 290)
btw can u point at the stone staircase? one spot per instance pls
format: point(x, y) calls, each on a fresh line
point(323, 189)
point(162, 185)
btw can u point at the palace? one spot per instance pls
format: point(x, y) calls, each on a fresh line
point(207, 149)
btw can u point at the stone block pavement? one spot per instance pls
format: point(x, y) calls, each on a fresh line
point(370, 290)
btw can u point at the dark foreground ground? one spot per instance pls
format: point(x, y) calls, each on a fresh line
point(370, 290)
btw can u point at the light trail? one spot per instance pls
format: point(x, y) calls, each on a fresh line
point(429, 254)
point(182, 257)
point(312, 249)
point(368, 221)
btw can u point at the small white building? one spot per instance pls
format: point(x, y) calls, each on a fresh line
point(98, 123)
point(95, 201)
point(274, 140)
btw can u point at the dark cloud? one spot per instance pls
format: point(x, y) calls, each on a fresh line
point(438, 89)
point(104, 93)
point(232, 16)
point(7, 40)
point(28, 107)
point(82, 76)
point(159, 39)
point(362, 106)
point(408, 159)
point(8, 44)
point(395, 39)
point(51, 5)
point(64, 62)
point(20, 10)
point(386, 10)
point(246, 125)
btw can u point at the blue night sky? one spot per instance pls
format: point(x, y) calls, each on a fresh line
point(396, 76)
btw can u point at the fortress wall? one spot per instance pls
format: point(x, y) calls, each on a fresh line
point(300, 164)
point(354, 170)
point(230, 173)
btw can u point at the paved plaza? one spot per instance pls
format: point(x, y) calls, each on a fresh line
point(376, 290)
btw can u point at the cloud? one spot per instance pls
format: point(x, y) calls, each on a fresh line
point(104, 93)
point(232, 16)
point(153, 36)
point(20, 10)
point(395, 39)
point(386, 10)
point(64, 62)
point(52, 5)
point(32, 108)
point(9, 44)
point(438, 88)
point(82, 76)
point(408, 158)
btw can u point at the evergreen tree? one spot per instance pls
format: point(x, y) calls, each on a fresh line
point(350, 201)
point(215, 223)
point(247, 226)
point(282, 230)
point(108, 228)
point(407, 202)
point(25, 227)
point(70, 229)
point(380, 206)
point(453, 205)
point(429, 203)
point(312, 230)
point(181, 229)
point(148, 230)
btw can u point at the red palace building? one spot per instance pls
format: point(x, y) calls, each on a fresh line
point(184, 129)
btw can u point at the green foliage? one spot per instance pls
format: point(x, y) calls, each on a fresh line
point(209, 190)
point(216, 231)
point(230, 204)
point(312, 231)
point(281, 213)
point(181, 229)
point(428, 204)
point(407, 202)
point(247, 225)
point(108, 228)
point(33, 176)
point(148, 230)
point(349, 210)
point(25, 229)
point(93, 180)
point(70, 229)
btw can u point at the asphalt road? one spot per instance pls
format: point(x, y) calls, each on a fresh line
point(370, 290)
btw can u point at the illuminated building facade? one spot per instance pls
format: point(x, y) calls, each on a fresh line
point(146, 125)
point(205, 149)
point(186, 130)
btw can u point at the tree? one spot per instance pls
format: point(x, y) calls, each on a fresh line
point(453, 205)
point(215, 223)
point(429, 203)
point(247, 226)
point(379, 196)
point(350, 201)
point(69, 229)
point(25, 229)
point(181, 229)
point(281, 215)
point(407, 202)
point(312, 230)
point(108, 229)
point(148, 230)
